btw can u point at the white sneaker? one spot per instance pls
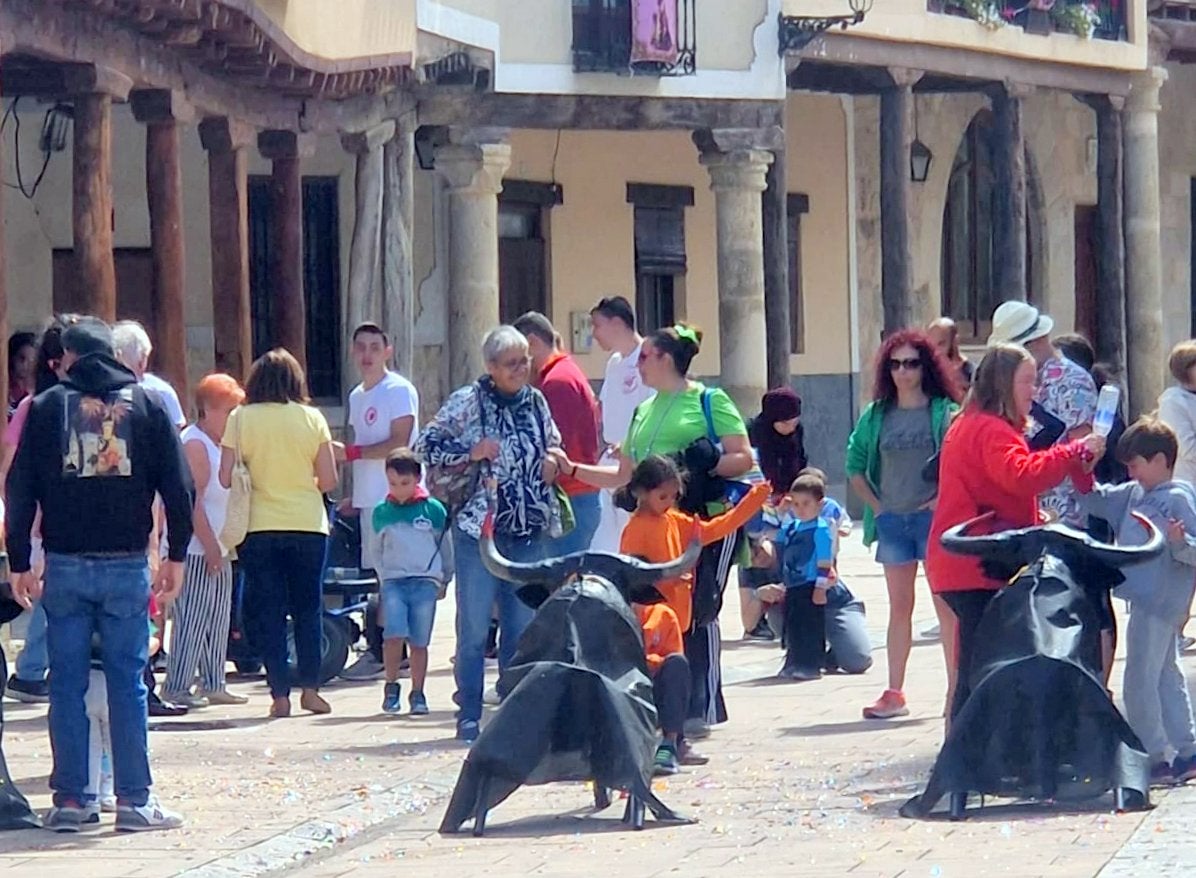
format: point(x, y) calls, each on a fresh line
point(934, 632)
point(490, 696)
point(365, 668)
point(150, 816)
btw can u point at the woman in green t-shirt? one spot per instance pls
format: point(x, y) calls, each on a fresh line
point(680, 420)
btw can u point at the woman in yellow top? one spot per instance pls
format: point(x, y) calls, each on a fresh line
point(287, 447)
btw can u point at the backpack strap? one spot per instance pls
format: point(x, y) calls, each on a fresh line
point(708, 413)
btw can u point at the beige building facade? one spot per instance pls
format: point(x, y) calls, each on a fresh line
point(604, 188)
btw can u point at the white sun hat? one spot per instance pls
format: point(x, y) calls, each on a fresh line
point(1018, 323)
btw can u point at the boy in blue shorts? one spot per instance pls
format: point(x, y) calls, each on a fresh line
point(414, 559)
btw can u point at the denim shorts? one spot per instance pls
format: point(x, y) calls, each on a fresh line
point(901, 536)
point(409, 609)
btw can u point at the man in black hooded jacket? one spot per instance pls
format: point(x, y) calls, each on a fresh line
point(94, 452)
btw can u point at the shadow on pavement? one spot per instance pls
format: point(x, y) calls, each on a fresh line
point(863, 725)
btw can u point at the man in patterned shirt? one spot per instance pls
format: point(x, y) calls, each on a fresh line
point(1065, 402)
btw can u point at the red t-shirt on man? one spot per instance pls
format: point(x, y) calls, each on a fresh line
point(575, 410)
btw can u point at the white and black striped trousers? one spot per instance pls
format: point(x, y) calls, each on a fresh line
point(199, 637)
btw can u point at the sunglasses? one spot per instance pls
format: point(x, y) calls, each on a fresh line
point(911, 365)
point(647, 355)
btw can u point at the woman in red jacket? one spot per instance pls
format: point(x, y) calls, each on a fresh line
point(985, 466)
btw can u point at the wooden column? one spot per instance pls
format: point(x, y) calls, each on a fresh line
point(398, 222)
point(91, 217)
point(1110, 231)
point(896, 133)
point(363, 299)
point(161, 112)
point(1009, 220)
point(226, 142)
point(776, 272)
point(286, 150)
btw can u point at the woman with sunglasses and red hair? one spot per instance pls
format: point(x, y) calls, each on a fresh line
point(892, 465)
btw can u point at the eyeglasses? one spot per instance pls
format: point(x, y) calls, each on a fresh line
point(646, 355)
point(515, 365)
point(910, 365)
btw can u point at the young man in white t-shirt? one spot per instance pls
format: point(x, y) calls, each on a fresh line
point(384, 416)
point(623, 389)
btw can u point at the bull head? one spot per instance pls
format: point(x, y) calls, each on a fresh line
point(1009, 551)
point(537, 580)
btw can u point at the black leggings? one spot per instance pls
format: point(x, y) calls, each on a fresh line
point(968, 607)
point(670, 691)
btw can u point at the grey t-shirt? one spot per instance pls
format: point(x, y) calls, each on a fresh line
point(906, 443)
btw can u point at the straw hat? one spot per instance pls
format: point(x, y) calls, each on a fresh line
point(1019, 323)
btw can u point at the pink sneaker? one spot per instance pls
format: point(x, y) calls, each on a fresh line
point(891, 704)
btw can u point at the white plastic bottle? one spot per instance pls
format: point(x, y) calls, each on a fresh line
point(1106, 409)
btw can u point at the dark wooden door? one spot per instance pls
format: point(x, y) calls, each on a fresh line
point(1086, 249)
point(522, 284)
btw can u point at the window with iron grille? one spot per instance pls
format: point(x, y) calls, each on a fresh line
point(635, 37)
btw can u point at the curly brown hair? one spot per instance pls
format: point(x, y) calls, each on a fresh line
point(937, 380)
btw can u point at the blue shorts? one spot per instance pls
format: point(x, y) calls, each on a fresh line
point(901, 536)
point(409, 609)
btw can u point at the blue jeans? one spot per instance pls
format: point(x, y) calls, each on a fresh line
point(283, 572)
point(587, 515)
point(477, 592)
point(33, 661)
point(108, 596)
point(409, 609)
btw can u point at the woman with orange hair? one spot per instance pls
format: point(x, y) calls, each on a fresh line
point(199, 641)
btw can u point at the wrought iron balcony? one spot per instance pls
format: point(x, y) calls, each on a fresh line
point(1100, 19)
point(635, 37)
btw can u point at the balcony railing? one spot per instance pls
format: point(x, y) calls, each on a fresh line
point(641, 37)
point(1100, 19)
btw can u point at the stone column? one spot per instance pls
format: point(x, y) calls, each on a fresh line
point(896, 134)
point(286, 150)
point(161, 112)
point(1144, 296)
point(227, 143)
point(737, 177)
point(1009, 221)
point(398, 224)
point(473, 163)
point(363, 298)
point(777, 302)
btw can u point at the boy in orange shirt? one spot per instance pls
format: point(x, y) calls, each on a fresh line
point(670, 682)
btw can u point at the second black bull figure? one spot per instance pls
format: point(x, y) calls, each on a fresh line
point(577, 698)
point(1039, 723)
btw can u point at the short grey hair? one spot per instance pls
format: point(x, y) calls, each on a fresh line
point(500, 340)
point(132, 342)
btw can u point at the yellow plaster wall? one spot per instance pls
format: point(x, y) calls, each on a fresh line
point(341, 29)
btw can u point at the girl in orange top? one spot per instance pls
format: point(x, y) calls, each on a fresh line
point(659, 532)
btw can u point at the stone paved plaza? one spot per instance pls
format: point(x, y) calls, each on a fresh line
point(798, 783)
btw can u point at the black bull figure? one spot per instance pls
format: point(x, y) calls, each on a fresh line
point(1039, 723)
point(577, 698)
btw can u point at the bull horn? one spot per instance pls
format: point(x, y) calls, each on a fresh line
point(957, 541)
point(1123, 556)
point(552, 570)
point(669, 569)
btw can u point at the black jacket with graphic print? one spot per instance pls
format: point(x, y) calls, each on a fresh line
point(94, 451)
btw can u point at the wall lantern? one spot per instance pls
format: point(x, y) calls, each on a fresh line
point(920, 158)
point(920, 155)
point(798, 31)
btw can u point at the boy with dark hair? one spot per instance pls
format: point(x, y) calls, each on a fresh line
point(1159, 592)
point(805, 549)
point(414, 564)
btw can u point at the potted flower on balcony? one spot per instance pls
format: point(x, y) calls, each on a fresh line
point(1077, 16)
point(986, 12)
point(1038, 17)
